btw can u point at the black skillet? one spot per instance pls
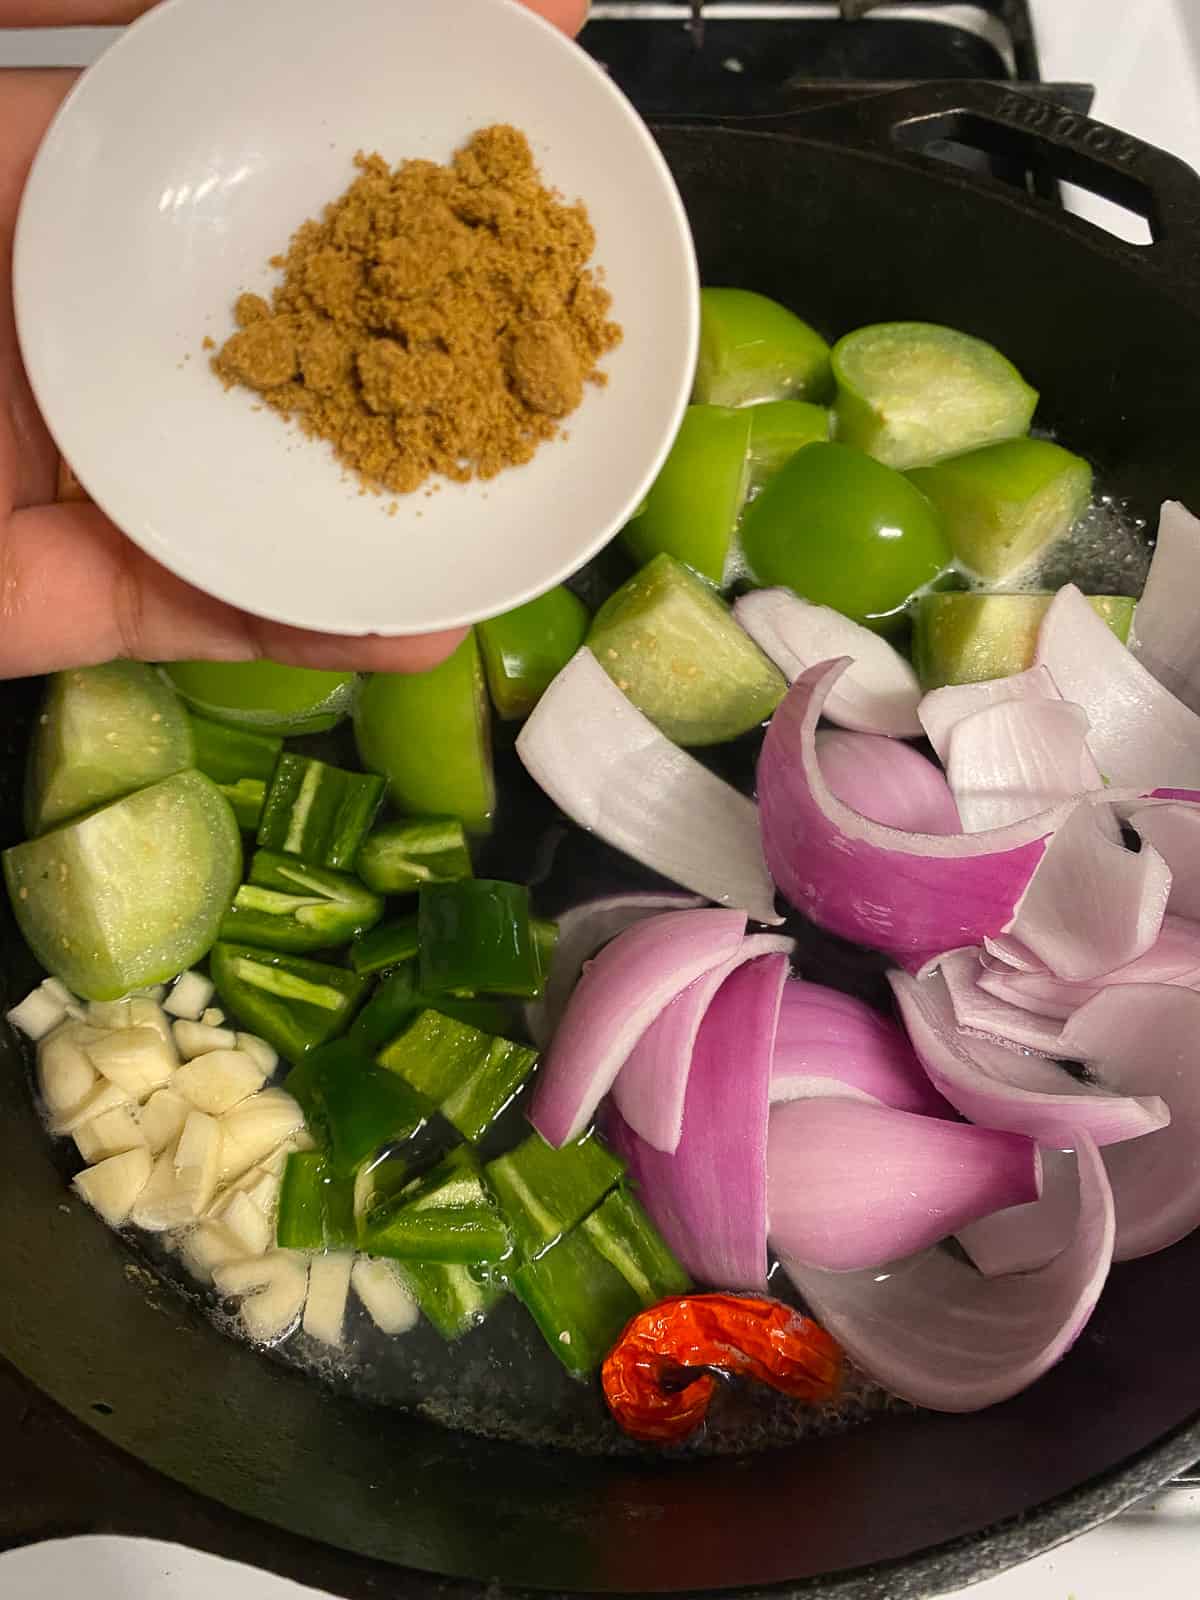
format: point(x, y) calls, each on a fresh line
point(841, 214)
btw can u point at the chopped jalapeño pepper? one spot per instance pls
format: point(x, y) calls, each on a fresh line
point(316, 1210)
point(385, 946)
point(455, 1297)
point(318, 812)
point(398, 857)
point(240, 763)
point(470, 1074)
point(289, 905)
point(399, 998)
point(448, 1215)
point(579, 1301)
point(544, 1192)
point(475, 935)
point(293, 1003)
point(583, 1289)
point(624, 1235)
point(358, 1108)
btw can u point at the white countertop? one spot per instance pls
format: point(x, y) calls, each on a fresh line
point(1145, 61)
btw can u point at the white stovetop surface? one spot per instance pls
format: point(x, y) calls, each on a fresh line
point(1145, 61)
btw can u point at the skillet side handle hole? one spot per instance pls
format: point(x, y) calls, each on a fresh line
point(1117, 220)
point(102, 1408)
point(1108, 197)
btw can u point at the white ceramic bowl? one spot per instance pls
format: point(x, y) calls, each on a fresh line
point(186, 157)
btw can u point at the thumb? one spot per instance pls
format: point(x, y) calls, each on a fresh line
point(569, 15)
point(74, 592)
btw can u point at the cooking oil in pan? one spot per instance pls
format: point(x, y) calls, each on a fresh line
point(500, 1380)
point(1106, 552)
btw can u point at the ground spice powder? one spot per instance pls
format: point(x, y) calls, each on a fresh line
point(437, 320)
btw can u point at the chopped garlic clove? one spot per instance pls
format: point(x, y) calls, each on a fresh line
point(213, 1018)
point(73, 1006)
point(162, 1204)
point(207, 1247)
point(137, 1059)
point(190, 996)
point(113, 1187)
point(65, 1075)
point(264, 1190)
point(163, 1117)
point(144, 1013)
point(259, 1050)
point(273, 1287)
point(110, 1134)
point(104, 1097)
point(255, 1130)
point(328, 1288)
point(134, 1011)
point(109, 1013)
point(38, 1014)
point(197, 1159)
point(54, 989)
point(218, 1081)
point(277, 1160)
point(390, 1306)
point(261, 1184)
point(58, 992)
point(194, 1039)
point(248, 1227)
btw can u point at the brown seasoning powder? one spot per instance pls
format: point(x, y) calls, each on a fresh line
point(436, 320)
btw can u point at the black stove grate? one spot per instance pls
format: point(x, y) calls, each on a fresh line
point(750, 57)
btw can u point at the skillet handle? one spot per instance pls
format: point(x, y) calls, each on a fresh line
point(1016, 125)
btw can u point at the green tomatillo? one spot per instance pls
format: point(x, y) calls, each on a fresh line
point(840, 529)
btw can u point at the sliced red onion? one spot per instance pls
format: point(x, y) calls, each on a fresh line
point(852, 1185)
point(1174, 831)
point(829, 1043)
point(914, 895)
point(709, 1199)
point(1139, 733)
point(1024, 1238)
point(887, 781)
point(650, 1088)
point(980, 1011)
point(933, 1331)
point(1005, 951)
point(1164, 637)
point(619, 995)
point(943, 709)
point(612, 772)
point(999, 1087)
point(1144, 1038)
point(879, 691)
point(1173, 958)
point(1017, 758)
point(1092, 905)
point(582, 931)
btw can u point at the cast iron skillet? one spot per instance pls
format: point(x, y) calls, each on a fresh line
point(841, 215)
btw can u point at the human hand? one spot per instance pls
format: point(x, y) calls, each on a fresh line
point(73, 590)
